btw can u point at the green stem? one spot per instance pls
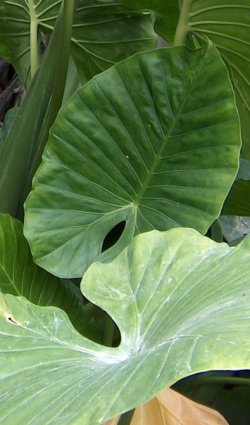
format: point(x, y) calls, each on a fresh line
point(34, 56)
point(183, 23)
point(61, 33)
point(68, 13)
point(126, 418)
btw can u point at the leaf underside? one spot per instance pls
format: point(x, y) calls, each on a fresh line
point(103, 33)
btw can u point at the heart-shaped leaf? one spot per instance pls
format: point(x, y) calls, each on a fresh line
point(103, 33)
point(181, 302)
point(20, 276)
point(150, 142)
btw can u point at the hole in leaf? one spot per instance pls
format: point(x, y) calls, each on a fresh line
point(113, 235)
point(109, 331)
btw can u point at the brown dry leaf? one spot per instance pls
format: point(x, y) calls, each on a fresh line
point(172, 408)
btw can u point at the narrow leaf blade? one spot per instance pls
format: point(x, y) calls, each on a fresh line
point(21, 150)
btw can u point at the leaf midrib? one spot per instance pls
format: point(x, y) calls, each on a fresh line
point(140, 196)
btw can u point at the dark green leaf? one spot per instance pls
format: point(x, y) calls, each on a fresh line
point(22, 148)
point(7, 124)
point(104, 32)
point(166, 13)
point(238, 200)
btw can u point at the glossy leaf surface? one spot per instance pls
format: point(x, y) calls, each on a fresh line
point(149, 143)
point(227, 24)
point(21, 277)
point(103, 32)
point(181, 302)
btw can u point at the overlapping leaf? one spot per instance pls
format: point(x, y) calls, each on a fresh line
point(181, 302)
point(23, 144)
point(150, 143)
point(238, 201)
point(227, 24)
point(21, 277)
point(103, 32)
point(166, 14)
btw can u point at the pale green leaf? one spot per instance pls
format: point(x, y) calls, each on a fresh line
point(21, 277)
point(150, 143)
point(181, 302)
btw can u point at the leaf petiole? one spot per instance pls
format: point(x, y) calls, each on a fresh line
point(34, 57)
point(182, 26)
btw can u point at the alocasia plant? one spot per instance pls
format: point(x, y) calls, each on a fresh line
point(181, 302)
point(103, 33)
point(148, 142)
point(151, 143)
point(226, 23)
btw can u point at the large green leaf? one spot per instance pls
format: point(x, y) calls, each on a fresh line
point(227, 24)
point(20, 276)
point(182, 303)
point(149, 142)
point(103, 32)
